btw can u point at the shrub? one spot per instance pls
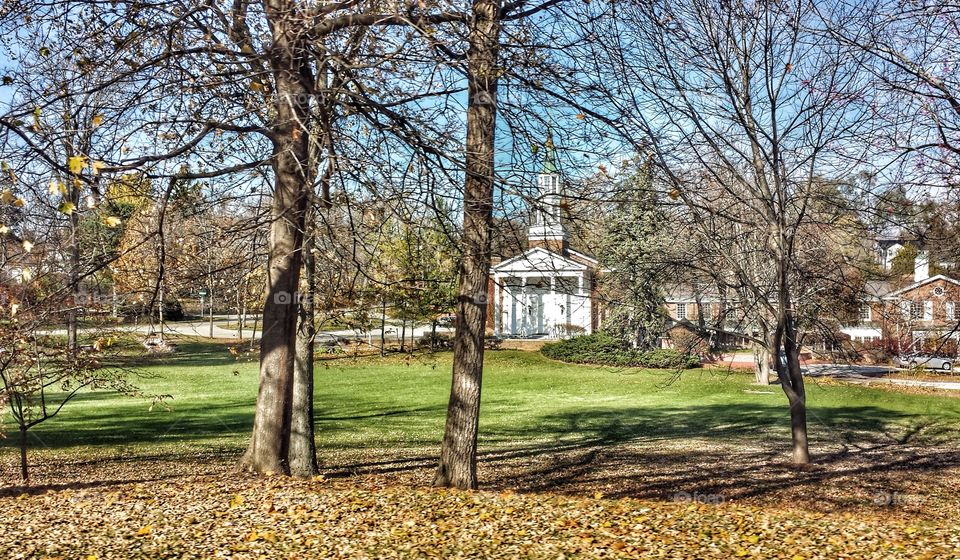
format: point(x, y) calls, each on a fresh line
point(435, 341)
point(604, 349)
point(689, 342)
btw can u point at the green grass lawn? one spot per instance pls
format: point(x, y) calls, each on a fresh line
point(399, 402)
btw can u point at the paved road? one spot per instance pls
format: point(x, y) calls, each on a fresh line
point(868, 375)
point(202, 329)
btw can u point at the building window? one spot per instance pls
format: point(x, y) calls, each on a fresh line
point(916, 310)
point(682, 311)
point(865, 315)
point(951, 310)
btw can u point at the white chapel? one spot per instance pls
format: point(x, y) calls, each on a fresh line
point(549, 290)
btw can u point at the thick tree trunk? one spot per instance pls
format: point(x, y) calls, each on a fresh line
point(458, 456)
point(270, 441)
point(798, 430)
point(303, 450)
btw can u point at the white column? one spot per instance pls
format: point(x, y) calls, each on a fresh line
point(586, 305)
point(523, 306)
point(497, 319)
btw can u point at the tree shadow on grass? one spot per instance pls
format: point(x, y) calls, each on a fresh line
point(722, 452)
point(731, 451)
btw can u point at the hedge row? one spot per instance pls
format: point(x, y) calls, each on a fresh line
point(603, 349)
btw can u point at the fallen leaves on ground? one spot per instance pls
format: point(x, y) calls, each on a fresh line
point(190, 507)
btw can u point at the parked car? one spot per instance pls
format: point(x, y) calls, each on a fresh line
point(926, 361)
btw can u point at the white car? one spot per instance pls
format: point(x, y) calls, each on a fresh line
point(926, 361)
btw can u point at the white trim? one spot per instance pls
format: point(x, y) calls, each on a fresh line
point(677, 312)
point(915, 285)
point(861, 332)
point(568, 265)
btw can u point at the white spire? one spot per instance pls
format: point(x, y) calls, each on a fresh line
point(547, 219)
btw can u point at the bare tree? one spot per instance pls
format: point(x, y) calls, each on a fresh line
point(743, 107)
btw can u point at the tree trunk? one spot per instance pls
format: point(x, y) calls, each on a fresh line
point(74, 269)
point(791, 380)
point(270, 441)
point(458, 456)
point(761, 359)
point(24, 474)
point(240, 316)
point(383, 327)
point(403, 334)
point(303, 450)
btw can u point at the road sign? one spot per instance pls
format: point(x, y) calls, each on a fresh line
point(203, 292)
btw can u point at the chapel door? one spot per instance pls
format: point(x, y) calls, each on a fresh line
point(536, 311)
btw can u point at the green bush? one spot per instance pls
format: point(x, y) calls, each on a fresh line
point(435, 341)
point(603, 349)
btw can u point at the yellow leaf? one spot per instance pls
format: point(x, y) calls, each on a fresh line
point(19, 203)
point(97, 120)
point(91, 557)
point(97, 166)
point(145, 530)
point(7, 197)
point(236, 501)
point(111, 221)
point(57, 187)
point(14, 307)
point(581, 116)
point(256, 86)
point(77, 164)
point(4, 229)
point(674, 194)
point(598, 495)
point(27, 246)
point(66, 208)
point(26, 275)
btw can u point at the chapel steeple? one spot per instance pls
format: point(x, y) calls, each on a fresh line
point(546, 228)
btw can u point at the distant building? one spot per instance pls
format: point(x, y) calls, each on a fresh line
point(925, 309)
point(549, 290)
